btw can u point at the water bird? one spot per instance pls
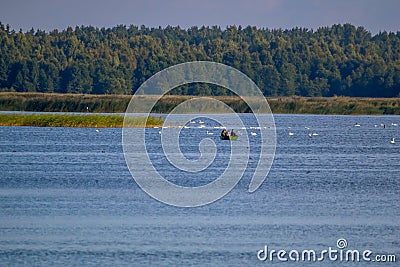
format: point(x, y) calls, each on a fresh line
point(209, 133)
point(201, 122)
point(97, 130)
point(357, 125)
point(290, 133)
point(253, 133)
point(392, 141)
point(394, 124)
point(307, 128)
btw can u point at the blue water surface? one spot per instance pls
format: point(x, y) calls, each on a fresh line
point(67, 197)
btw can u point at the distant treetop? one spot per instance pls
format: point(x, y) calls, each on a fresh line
point(337, 60)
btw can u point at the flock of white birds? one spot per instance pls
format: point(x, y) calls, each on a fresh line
point(200, 125)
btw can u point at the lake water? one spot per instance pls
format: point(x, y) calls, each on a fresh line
point(67, 198)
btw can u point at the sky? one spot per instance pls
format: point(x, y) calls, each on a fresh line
point(374, 15)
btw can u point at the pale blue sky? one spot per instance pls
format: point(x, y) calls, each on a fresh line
point(374, 15)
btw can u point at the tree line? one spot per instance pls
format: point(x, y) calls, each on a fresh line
point(341, 60)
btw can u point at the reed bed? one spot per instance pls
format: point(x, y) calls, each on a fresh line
point(41, 102)
point(73, 120)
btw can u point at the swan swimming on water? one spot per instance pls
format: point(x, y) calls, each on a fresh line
point(392, 141)
point(253, 133)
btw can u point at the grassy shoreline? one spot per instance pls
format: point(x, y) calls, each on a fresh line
point(73, 120)
point(46, 102)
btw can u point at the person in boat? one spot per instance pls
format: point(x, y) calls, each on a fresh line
point(224, 133)
point(233, 133)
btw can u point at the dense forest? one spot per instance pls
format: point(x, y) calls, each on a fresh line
point(341, 60)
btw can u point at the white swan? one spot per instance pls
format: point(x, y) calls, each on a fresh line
point(290, 133)
point(357, 125)
point(253, 133)
point(392, 141)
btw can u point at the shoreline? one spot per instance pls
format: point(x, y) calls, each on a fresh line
point(81, 103)
point(96, 120)
point(78, 121)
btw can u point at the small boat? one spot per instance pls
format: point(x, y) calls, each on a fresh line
point(233, 138)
